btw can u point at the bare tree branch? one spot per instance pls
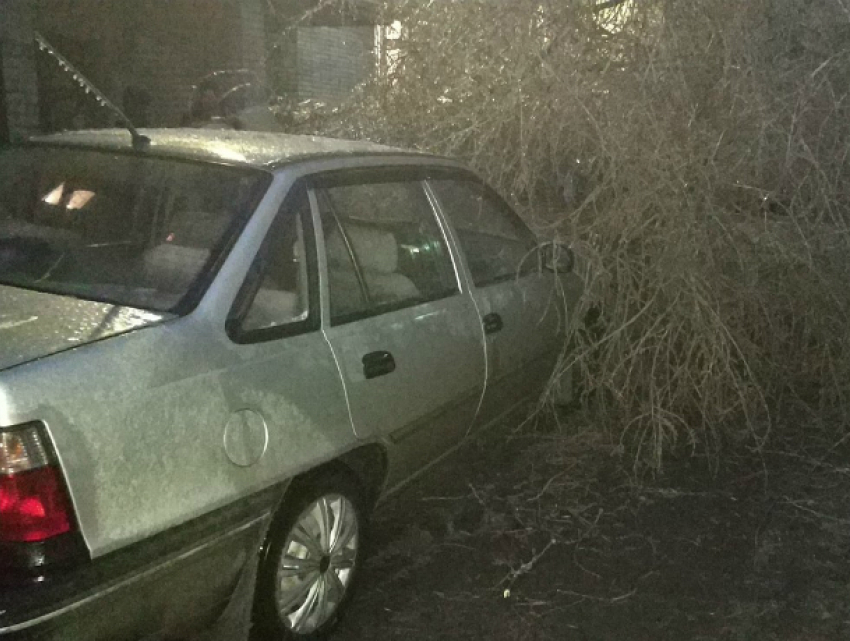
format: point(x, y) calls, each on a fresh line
point(608, 4)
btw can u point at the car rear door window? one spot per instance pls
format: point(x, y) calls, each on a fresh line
point(385, 249)
point(497, 244)
point(279, 295)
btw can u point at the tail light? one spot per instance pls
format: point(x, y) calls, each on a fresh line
point(34, 503)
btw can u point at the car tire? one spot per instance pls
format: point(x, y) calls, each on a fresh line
point(309, 565)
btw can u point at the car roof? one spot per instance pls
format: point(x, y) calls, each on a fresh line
point(256, 149)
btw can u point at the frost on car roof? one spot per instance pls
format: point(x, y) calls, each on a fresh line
point(258, 149)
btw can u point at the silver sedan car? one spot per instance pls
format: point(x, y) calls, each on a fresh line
point(219, 350)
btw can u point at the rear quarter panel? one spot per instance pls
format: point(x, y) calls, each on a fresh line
point(138, 422)
point(138, 419)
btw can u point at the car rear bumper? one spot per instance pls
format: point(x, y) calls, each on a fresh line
point(168, 587)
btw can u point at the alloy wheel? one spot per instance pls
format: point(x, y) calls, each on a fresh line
point(317, 563)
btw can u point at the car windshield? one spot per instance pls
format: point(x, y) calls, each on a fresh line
point(145, 232)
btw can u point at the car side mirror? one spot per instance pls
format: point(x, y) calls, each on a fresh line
point(558, 257)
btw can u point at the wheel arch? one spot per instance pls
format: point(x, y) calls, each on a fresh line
point(363, 471)
point(367, 463)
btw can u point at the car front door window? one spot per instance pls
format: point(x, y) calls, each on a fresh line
point(497, 245)
point(513, 297)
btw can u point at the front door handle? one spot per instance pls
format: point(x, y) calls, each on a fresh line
point(492, 323)
point(378, 364)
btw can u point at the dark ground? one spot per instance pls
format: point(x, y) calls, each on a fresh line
point(539, 532)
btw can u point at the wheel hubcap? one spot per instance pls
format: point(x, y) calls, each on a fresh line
point(317, 563)
point(324, 564)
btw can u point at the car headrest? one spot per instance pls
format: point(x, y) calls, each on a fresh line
point(171, 267)
point(199, 228)
point(376, 249)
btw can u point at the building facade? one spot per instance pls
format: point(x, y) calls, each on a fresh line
point(147, 55)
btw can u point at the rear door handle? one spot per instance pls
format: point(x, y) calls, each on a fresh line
point(492, 323)
point(377, 364)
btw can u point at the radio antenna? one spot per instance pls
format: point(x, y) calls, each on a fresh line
point(139, 141)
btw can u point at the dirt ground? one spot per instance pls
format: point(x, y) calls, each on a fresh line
point(540, 532)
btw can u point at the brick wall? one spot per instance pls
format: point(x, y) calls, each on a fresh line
point(4, 118)
point(283, 63)
point(155, 47)
point(253, 36)
point(159, 49)
point(177, 47)
point(17, 55)
point(331, 61)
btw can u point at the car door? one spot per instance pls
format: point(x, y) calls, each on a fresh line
point(518, 303)
point(405, 333)
point(288, 400)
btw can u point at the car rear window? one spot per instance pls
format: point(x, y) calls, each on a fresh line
point(134, 230)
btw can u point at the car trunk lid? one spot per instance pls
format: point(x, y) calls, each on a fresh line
point(37, 324)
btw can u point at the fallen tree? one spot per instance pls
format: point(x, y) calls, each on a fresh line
point(695, 154)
